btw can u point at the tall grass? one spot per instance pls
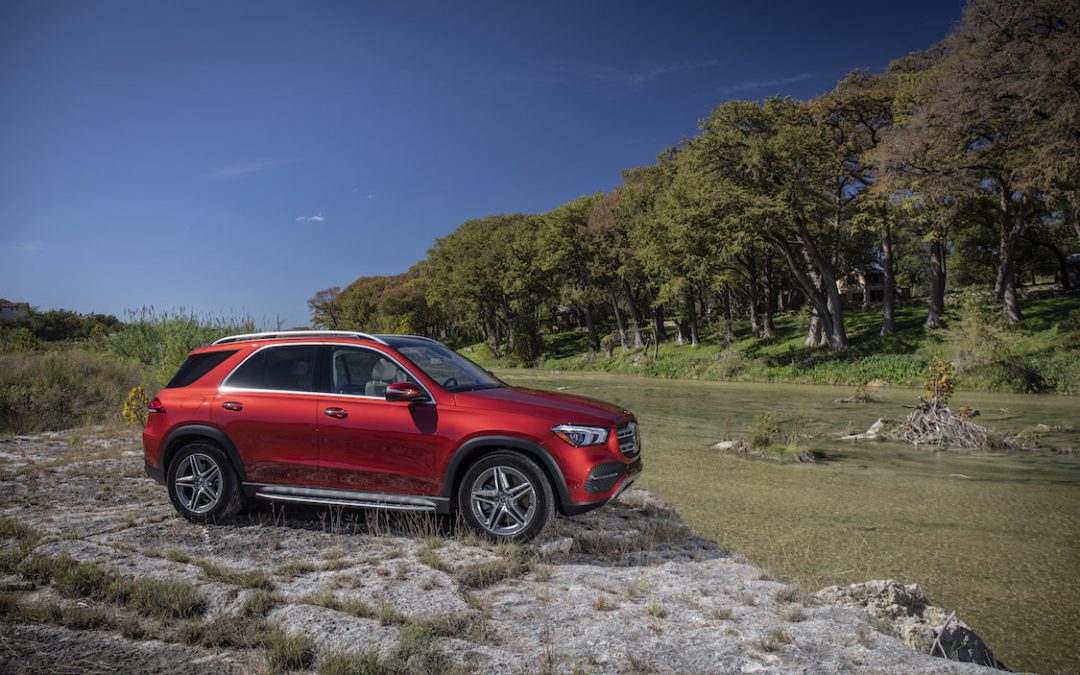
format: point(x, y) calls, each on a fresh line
point(159, 341)
point(62, 388)
point(49, 386)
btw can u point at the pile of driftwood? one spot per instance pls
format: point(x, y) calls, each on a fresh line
point(931, 423)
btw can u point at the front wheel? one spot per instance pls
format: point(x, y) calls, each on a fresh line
point(202, 485)
point(506, 496)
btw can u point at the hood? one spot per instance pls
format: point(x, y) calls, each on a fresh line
point(559, 407)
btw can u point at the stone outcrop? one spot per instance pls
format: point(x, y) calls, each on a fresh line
point(906, 613)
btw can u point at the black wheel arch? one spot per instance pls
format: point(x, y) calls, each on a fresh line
point(475, 448)
point(182, 435)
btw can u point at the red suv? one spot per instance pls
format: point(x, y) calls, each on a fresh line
point(380, 421)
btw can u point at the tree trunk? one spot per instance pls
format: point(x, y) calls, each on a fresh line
point(692, 318)
point(618, 318)
point(635, 315)
point(888, 287)
point(810, 282)
point(814, 335)
point(590, 327)
point(659, 334)
point(770, 297)
point(1007, 264)
point(1012, 226)
point(833, 315)
point(754, 327)
point(935, 312)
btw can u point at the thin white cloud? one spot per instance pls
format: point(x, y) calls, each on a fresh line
point(30, 246)
point(751, 85)
point(317, 218)
point(245, 168)
point(630, 78)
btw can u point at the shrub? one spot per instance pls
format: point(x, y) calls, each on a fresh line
point(60, 389)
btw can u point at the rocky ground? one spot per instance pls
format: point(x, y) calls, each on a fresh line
point(100, 575)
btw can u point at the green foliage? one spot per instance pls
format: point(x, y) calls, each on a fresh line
point(160, 341)
point(940, 380)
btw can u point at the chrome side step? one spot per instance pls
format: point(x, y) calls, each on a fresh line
point(348, 498)
point(344, 502)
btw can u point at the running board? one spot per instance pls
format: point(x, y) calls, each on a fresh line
point(366, 500)
point(344, 502)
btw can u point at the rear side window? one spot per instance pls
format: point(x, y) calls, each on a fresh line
point(290, 368)
point(196, 366)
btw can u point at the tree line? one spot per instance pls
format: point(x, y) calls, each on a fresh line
point(957, 165)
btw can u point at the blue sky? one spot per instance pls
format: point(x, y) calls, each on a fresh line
point(237, 157)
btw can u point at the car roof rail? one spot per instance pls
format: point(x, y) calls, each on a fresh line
point(402, 335)
point(290, 334)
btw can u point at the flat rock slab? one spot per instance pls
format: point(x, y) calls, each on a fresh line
point(51, 649)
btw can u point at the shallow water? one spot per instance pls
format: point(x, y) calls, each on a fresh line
point(995, 536)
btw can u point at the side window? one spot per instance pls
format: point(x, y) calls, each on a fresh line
point(280, 368)
point(196, 366)
point(363, 372)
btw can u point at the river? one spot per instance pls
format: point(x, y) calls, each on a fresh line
point(993, 535)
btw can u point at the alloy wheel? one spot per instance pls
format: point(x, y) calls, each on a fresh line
point(198, 483)
point(503, 500)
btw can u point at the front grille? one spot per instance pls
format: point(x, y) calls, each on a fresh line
point(629, 439)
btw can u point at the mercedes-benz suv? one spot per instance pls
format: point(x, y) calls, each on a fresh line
point(380, 421)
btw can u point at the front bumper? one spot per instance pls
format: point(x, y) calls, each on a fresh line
point(624, 481)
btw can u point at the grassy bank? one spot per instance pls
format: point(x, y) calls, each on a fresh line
point(1042, 355)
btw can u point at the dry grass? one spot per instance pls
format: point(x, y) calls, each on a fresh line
point(243, 578)
point(604, 604)
point(774, 640)
point(793, 613)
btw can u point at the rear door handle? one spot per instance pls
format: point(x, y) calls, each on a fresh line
point(337, 413)
point(233, 405)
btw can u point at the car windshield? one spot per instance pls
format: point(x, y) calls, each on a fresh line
point(451, 370)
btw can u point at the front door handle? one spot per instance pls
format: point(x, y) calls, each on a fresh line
point(233, 405)
point(337, 413)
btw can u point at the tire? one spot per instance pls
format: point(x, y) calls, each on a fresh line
point(200, 468)
point(515, 514)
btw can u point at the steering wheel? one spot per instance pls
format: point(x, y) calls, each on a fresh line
point(449, 382)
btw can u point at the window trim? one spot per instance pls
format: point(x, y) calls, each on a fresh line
point(225, 388)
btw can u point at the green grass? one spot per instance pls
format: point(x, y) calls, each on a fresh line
point(1042, 354)
point(165, 600)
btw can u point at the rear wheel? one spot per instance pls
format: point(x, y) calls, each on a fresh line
point(506, 496)
point(202, 485)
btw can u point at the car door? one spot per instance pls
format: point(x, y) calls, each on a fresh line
point(268, 407)
point(367, 443)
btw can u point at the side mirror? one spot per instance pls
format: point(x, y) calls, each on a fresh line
point(405, 391)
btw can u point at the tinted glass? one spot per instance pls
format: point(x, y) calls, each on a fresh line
point(280, 368)
point(442, 364)
point(196, 366)
point(364, 372)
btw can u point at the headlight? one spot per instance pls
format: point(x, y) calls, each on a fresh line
point(579, 436)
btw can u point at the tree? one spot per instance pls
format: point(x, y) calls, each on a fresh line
point(324, 308)
point(998, 115)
